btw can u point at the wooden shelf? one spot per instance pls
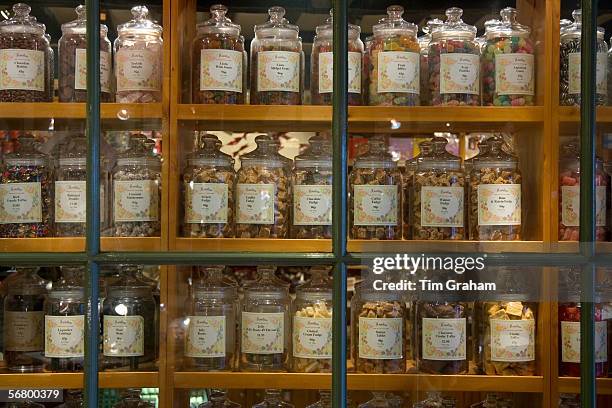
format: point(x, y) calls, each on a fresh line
point(78, 244)
point(75, 380)
point(253, 245)
point(130, 244)
point(361, 118)
point(571, 385)
point(57, 110)
point(386, 382)
point(398, 246)
point(572, 114)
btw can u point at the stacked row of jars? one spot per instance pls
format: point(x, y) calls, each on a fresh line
point(27, 60)
point(44, 323)
point(38, 200)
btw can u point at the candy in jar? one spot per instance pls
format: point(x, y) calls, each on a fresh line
point(273, 399)
point(410, 169)
point(424, 41)
point(569, 82)
point(139, 59)
point(508, 63)
point(219, 61)
point(24, 58)
point(375, 199)
point(321, 65)
point(454, 63)
point(130, 398)
point(277, 62)
point(219, 399)
point(569, 196)
point(393, 62)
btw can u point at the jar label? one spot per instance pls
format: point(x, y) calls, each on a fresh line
point(312, 205)
point(570, 206)
point(263, 333)
point(221, 70)
point(312, 337)
point(398, 71)
point(380, 338)
point(459, 73)
point(570, 342)
point(20, 203)
point(444, 339)
point(80, 70)
point(375, 205)
point(123, 336)
point(326, 72)
point(512, 340)
point(136, 200)
point(22, 70)
point(499, 204)
point(137, 70)
point(514, 74)
point(205, 337)
point(64, 336)
point(441, 206)
point(255, 203)
point(278, 71)
point(70, 199)
point(601, 69)
point(23, 331)
point(206, 203)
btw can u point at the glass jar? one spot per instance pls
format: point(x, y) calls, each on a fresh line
point(378, 331)
point(379, 400)
point(65, 309)
point(24, 58)
point(74, 399)
point(424, 41)
point(218, 60)
point(72, 50)
point(495, 195)
point(210, 341)
point(130, 398)
point(322, 61)
point(263, 196)
point(265, 323)
point(24, 316)
point(508, 61)
point(454, 63)
point(569, 401)
point(375, 202)
point(26, 195)
point(218, 399)
point(277, 62)
point(569, 196)
point(325, 400)
point(312, 323)
point(442, 316)
point(411, 166)
point(312, 191)
point(569, 337)
point(393, 77)
point(208, 192)
point(273, 399)
point(136, 181)
point(569, 92)
point(139, 59)
point(129, 316)
point(438, 206)
point(433, 399)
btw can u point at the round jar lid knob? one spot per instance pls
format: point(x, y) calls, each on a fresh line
point(21, 10)
point(577, 15)
point(276, 13)
point(140, 12)
point(218, 12)
point(81, 12)
point(508, 15)
point(454, 14)
point(395, 12)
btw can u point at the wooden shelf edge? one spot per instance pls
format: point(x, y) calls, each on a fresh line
point(73, 244)
point(572, 114)
point(372, 246)
point(252, 245)
point(130, 244)
point(75, 380)
point(571, 385)
point(69, 110)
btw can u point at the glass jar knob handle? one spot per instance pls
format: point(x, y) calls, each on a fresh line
point(454, 14)
point(140, 12)
point(577, 16)
point(395, 12)
point(508, 15)
point(21, 10)
point(81, 12)
point(218, 12)
point(276, 13)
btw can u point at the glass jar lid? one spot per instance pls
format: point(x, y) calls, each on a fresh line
point(454, 27)
point(430, 26)
point(128, 283)
point(22, 21)
point(79, 25)
point(267, 286)
point(439, 157)
point(495, 156)
point(140, 24)
point(138, 154)
point(377, 156)
point(574, 29)
point(26, 154)
point(266, 154)
point(209, 153)
point(70, 284)
point(570, 156)
point(74, 153)
point(219, 23)
point(213, 285)
point(318, 287)
point(317, 155)
point(326, 30)
point(278, 27)
point(394, 24)
point(508, 26)
point(27, 282)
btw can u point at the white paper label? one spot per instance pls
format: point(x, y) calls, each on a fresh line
point(80, 70)
point(312, 337)
point(263, 333)
point(442, 206)
point(570, 342)
point(444, 339)
point(312, 205)
point(570, 206)
point(64, 336)
point(23, 331)
point(459, 73)
point(514, 74)
point(512, 340)
point(398, 71)
point(20, 203)
point(326, 72)
point(70, 201)
point(137, 70)
point(499, 204)
point(205, 337)
point(206, 203)
point(255, 203)
point(380, 338)
point(136, 200)
point(124, 336)
point(601, 70)
point(220, 70)
point(278, 71)
point(22, 69)
point(375, 205)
